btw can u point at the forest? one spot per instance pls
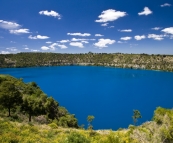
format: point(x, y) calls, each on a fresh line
point(133, 61)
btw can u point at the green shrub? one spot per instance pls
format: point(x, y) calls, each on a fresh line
point(53, 125)
point(75, 137)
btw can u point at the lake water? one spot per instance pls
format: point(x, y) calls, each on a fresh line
point(110, 94)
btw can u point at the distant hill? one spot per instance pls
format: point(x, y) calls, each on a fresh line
point(134, 61)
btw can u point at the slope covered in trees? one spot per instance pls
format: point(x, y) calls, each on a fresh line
point(141, 61)
point(27, 102)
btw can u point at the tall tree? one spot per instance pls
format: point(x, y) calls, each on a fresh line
point(51, 108)
point(33, 105)
point(136, 115)
point(10, 97)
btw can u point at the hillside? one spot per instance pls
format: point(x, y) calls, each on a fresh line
point(25, 102)
point(136, 61)
point(160, 130)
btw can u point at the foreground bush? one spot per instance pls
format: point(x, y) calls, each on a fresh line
point(75, 137)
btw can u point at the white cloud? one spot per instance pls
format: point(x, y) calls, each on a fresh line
point(52, 46)
point(62, 46)
point(51, 13)
point(42, 37)
point(38, 37)
point(33, 50)
point(79, 34)
point(13, 49)
point(110, 15)
point(32, 37)
point(168, 30)
point(111, 27)
point(4, 52)
point(156, 28)
point(120, 42)
point(26, 48)
point(126, 38)
point(44, 48)
point(48, 42)
point(19, 31)
point(86, 42)
point(77, 44)
point(138, 37)
point(156, 37)
point(166, 4)
point(103, 43)
point(98, 35)
point(9, 25)
point(64, 41)
point(76, 39)
point(104, 24)
point(146, 11)
point(126, 30)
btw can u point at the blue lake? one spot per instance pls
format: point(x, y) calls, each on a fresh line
point(110, 94)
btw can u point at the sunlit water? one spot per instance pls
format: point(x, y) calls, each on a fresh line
point(110, 94)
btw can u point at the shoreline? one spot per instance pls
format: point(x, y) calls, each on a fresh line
point(89, 64)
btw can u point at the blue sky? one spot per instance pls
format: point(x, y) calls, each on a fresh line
point(80, 26)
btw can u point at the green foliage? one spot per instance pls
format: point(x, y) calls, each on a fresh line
point(28, 100)
point(53, 125)
point(68, 121)
point(112, 138)
point(75, 137)
point(136, 115)
point(159, 130)
point(90, 118)
point(149, 132)
point(140, 61)
point(9, 95)
point(51, 107)
point(32, 105)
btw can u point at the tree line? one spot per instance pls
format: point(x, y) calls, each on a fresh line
point(139, 61)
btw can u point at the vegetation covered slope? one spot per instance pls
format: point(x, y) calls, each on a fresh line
point(141, 61)
point(27, 102)
point(160, 130)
